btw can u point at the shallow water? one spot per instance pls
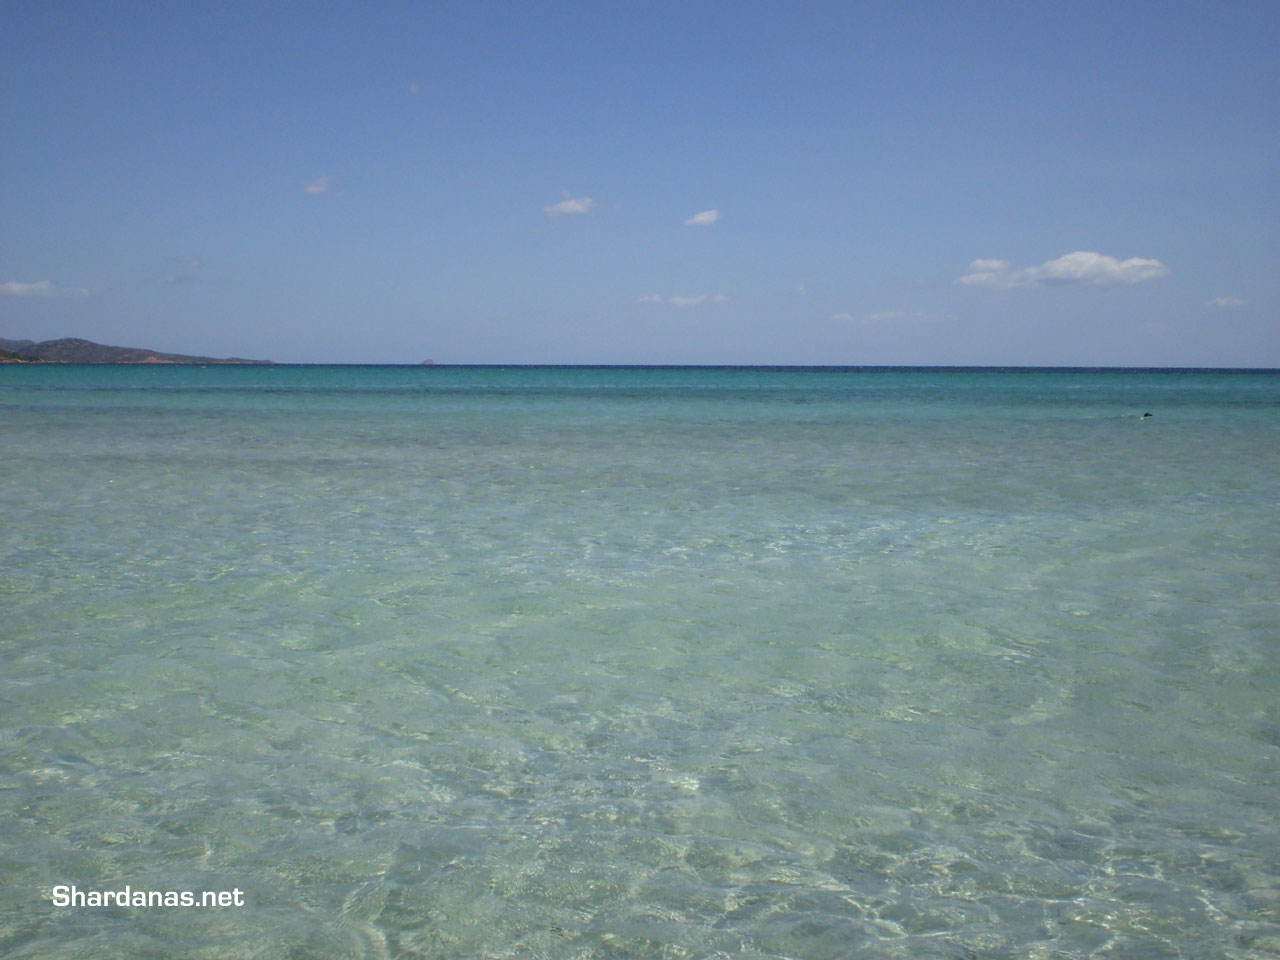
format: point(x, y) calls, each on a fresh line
point(596, 663)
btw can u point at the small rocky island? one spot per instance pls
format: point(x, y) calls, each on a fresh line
point(75, 350)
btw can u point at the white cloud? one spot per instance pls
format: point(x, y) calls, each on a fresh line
point(678, 301)
point(570, 207)
point(889, 316)
point(990, 273)
point(1228, 302)
point(704, 219)
point(41, 288)
point(1079, 268)
point(319, 184)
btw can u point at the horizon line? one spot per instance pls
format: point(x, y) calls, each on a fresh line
point(969, 367)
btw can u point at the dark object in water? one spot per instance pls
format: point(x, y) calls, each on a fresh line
point(1145, 415)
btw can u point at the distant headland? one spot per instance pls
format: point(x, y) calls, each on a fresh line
point(75, 350)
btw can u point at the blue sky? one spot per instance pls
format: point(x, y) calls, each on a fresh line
point(797, 183)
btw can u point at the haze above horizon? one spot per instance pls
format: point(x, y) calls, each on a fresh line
point(807, 184)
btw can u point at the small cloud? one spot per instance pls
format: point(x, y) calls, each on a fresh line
point(320, 184)
point(1228, 302)
point(187, 271)
point(570, 207)
point(901, 316)
point(679, 301)
point(1080, 268)
point(889, 316)
point(414, 88)
point(41, 288)
point(704, 219)
point(990, 273)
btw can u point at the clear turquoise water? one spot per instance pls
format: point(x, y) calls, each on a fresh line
point(605, 663)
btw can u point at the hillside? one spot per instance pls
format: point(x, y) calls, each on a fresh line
point(75, 350)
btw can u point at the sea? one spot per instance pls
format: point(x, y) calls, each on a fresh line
point(583, 663)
